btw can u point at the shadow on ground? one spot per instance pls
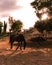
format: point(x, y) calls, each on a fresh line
point(44, 44)
point(37, 57)
point(38, 44)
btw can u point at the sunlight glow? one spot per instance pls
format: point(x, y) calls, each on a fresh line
point(44, 10)
point(45, 16)
point(26, 14)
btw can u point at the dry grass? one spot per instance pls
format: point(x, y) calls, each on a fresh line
point(32, 55)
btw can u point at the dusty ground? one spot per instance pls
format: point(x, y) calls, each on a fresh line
point(29, 56)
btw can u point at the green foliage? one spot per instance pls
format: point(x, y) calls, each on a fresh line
point(1, 25)
point(39, 26)
point(16, 25)
point(48, 25)
point(10, 19)
point(40, 4)
point(5, 26)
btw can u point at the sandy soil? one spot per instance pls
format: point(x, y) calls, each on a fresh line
point(29, 56)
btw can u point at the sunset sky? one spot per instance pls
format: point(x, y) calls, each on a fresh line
point(18, 9)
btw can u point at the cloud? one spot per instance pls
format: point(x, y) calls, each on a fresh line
point(7, 6)
point(4, 15)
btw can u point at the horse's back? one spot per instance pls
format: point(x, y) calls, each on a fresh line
point(20, 37)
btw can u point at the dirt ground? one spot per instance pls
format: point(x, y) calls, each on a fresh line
point(29, 56)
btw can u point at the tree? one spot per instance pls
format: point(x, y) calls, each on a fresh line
point(48, 25)
point(5, 27)
point(42, 26)
point(10, 19)
point(43, 7)
point(40, 5)
point(1, 25)
point(16, 25)
point(39, 26)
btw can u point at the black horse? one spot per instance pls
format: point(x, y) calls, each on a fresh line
point(19, 38)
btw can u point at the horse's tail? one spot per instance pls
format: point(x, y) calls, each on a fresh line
point(25, 44)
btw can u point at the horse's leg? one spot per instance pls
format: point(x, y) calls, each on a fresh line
point(11, 45)
point(24, 44)
point(18, 45)
point(21, 45)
